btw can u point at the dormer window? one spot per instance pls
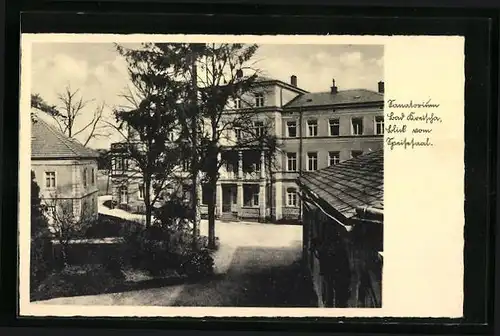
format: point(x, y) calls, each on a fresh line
point(259, 100)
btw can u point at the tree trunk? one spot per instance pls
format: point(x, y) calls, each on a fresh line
point(107, 182)
point(211, 222)
point(148, 215)
point(147, 201)
point(195, 209)
point(64, 253)
point(211, 211)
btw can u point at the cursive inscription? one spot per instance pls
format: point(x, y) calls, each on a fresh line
point(410, 124)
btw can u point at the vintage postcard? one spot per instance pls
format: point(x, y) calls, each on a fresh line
point(218, 175)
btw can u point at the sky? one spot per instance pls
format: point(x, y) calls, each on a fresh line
point(100, 73)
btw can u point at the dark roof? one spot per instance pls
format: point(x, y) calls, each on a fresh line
point(47, 142)
point(350, 184)
point(354, 96)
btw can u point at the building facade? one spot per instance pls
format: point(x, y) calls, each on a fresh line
point(66, 173)
point(313, 131)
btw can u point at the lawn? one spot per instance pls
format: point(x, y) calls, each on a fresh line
point(77, 280)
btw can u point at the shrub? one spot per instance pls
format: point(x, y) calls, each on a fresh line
point(114, 264)
point(41, 247)
point(40, 260)
point(109, 226)
point(198, 264)
point(168, 244)
point(151, 250)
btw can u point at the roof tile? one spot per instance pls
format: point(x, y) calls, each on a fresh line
point(354, 96)
point(350, 184)
point(49, 143)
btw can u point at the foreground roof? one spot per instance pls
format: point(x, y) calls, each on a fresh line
point(355, 96)
point(351, 184)
point(47, 142)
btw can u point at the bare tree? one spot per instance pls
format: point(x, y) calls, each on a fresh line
point(71, 116)
point(65, 223)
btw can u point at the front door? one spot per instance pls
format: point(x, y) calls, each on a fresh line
point(228, 198)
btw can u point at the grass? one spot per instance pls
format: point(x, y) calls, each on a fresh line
point(95, 280)
point(74, 281)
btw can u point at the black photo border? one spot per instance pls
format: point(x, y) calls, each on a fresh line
point(480, 29)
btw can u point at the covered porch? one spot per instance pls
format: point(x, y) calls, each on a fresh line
point(238, 201)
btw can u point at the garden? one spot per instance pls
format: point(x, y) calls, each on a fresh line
point(113, 255)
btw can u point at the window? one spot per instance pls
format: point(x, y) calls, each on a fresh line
point(292, 128)
point(333, 158)
point(312, 127)
point(237, 103)
point(84, 177)
point(291, 161)
point(237, 133)
point(312, 161)
point(291, 197)
point(251, 195)
point(334, 127)
point(92, 177)
point(171, 136)
point(356, 153)
point(357, 126)
point(50, 213)
point(256, 198)
point(121, 163)
point(379, 125)
point(123, 195)
point(185, 165)
point(50, 179)
point(259, 100)
point(141, 191)
point(259, 128)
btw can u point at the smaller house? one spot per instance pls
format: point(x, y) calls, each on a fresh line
point(65, 171)
point(343, 231)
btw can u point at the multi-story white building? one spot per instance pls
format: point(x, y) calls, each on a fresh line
point(314, 130)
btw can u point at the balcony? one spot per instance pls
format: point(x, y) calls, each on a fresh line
point(227, 175)
point(254, 175)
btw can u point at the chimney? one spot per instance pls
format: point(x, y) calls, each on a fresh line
point(381, 88)
point(334, 88)
point(293, 80)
